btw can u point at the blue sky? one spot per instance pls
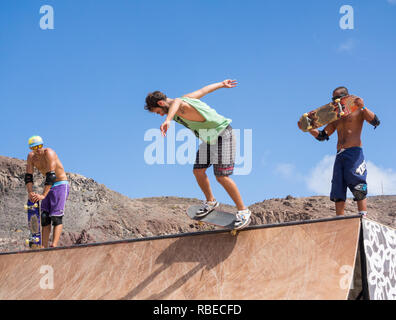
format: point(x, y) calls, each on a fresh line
point(82, 85)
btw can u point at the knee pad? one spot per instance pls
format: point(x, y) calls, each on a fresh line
point(359, 191)
point(56, 221)
point(45, 219)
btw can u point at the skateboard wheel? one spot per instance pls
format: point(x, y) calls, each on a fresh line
point(305, 114)
point(26, 207)
point(35, 205)
point(342, 113)
point(234, 232)
point(309, 127)
point(337, 100)
point(27, 242)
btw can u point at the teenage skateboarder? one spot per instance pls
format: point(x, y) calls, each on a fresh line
point(217, 147)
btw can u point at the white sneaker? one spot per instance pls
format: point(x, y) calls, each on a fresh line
point(242, 219)
point(207, 207)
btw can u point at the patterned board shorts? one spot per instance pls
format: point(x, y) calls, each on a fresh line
point(221, 155)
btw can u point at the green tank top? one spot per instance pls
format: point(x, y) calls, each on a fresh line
point(208, 131)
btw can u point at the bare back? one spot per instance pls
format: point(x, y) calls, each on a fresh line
point(190, 113)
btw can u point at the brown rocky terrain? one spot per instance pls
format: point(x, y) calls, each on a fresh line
point(95, 213)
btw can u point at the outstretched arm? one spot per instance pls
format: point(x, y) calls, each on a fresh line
point(210, 88)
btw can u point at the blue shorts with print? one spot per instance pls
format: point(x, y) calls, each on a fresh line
point(349, 172)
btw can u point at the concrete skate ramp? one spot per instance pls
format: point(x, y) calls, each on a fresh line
point(291, 261)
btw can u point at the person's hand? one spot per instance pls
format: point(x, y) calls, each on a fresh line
point(164, 127)
point(359, 102)
point(229, 83)
point(299, 125)
point(30, 196)
point(37, 197)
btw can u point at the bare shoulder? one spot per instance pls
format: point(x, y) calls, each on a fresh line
point(50, 153)
point(30, 156)
point(185, 105)
point(358, 115)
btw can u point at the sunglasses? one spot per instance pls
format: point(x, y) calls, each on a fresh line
point(37, 147)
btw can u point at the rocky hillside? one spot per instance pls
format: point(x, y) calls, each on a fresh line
point(95, 213)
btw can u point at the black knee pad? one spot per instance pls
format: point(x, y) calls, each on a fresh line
point(45, 219)
point(359, 191)
point(56, 221)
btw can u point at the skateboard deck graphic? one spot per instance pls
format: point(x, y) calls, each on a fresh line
point(34, 223)
point(216, 217)
point(328, 113)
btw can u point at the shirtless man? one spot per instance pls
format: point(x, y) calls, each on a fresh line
point(56, 189)
point(217, 148)
point(349, 167)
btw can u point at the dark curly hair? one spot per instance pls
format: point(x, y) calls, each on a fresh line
point(153, 98)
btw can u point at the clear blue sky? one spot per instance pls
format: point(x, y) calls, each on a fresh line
point(82, 85)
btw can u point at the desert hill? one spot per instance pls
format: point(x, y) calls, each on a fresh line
point(95, 213)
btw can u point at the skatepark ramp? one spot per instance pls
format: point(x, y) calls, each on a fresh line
point(303, 260)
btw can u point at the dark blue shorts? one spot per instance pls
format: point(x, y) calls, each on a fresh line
point(349, 172)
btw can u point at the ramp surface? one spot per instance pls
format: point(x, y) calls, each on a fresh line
point(300, 261)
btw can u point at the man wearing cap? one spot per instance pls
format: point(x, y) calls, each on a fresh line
point(56, 189)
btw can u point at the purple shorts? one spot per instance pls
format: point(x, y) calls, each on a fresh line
point(54, 203)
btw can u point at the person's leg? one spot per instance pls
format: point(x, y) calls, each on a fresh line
point(45, 228)
point(56, 234)
point(340, 208)
point(204, 184)
point(223, 166)
point(60, 194)
point(45, 234)
point(210, 203)
point(46, 220)
point(202, 163)
point(338, 186)
point(362, 205)
point(356, 177)
point(229, 185)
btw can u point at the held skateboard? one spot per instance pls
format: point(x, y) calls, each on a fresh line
point(218, 218)
point(330, 112)
point(34, 223)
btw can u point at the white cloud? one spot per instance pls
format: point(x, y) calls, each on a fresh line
point(347, 46)
point(286, 170)
point(392, 1)
point(379, 180)
point(265, 157)
point(319, 179)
